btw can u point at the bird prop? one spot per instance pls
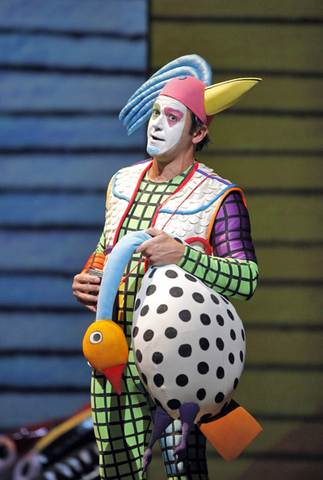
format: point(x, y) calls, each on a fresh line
point(189, 347)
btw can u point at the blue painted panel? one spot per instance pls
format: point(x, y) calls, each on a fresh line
point(47, 209)
point(80, 132)
point(17, 409)
point(50, 250)
point(85, 52)
point(44, 331)
point(63, 171)
point(37, 291)
point(48, 371)
point(122, 16)
point(89, 52)
point(58, 92)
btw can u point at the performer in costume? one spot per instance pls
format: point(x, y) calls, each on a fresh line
point(174, 193)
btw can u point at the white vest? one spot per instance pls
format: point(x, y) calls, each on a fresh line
point(187, 213)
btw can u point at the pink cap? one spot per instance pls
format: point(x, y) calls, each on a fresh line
point(189, 91)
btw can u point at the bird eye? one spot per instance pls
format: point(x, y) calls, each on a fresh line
point(96, 337)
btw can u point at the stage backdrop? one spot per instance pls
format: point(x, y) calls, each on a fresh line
point(66, 68)
point(271, 145)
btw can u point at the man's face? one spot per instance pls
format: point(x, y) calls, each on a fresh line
point(166, 125)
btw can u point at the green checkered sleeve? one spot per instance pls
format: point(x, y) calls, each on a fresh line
point(228, 276)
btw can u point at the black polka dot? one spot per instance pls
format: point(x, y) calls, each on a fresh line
point(231, 358)
point(202, 368)
point(241, 356)
point(185, 350)
point(157, 358)
point(220, 320)
point(219, 343)
point(215, 299)
point(201, 394)
point(162, 308)
point(224, 299)
point(182, 380)
point(152, 273)
point(219, 397)
point(204, 343)
point(236, 383)
point(135, 332)
point(190, 277)
point(176, 292)
point(151, 289)
point(137, 304)
point(171, 274)
point(220, 373)
point(233, 334)
point(144, 378)
point(138, 355)
point(230, 314)
point(242, 334)
point(178, 240)
point(170, 332)
point(148, 335)
point(158, 380)
point(173, 404)
point(198, 297)
point(144, 310)
point(185, 315)
point(205, 319)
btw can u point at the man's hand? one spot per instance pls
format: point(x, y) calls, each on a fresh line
point(86, 289)
point(161, 249)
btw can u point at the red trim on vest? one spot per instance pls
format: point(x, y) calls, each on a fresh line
point(187, 179)
point(131, 202)
point(208, 248)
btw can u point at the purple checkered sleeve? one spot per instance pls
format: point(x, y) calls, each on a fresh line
point(231, 235)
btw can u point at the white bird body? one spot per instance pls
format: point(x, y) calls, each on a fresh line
point(188, 341)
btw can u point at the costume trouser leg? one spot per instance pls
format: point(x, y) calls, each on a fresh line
point(196, 466)
point(122, 426)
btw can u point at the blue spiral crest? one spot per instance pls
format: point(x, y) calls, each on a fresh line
point(138, 108)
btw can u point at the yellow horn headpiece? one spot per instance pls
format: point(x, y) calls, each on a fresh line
point(223, 95)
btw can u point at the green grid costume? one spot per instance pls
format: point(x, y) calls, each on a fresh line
point(123, 424)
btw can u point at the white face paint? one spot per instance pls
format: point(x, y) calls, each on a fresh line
point(166, 125)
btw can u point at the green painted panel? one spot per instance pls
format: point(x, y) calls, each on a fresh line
point(232, 132)
point(237, 9)
point(267, 171)
point(285, 348)
point(296, 263)
point(286, 393)
point(286, 217)
point(276, 304)
point(290, 95)
point(245, 47)
point(277, 436)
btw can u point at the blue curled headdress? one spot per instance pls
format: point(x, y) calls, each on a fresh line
point(138, 108)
